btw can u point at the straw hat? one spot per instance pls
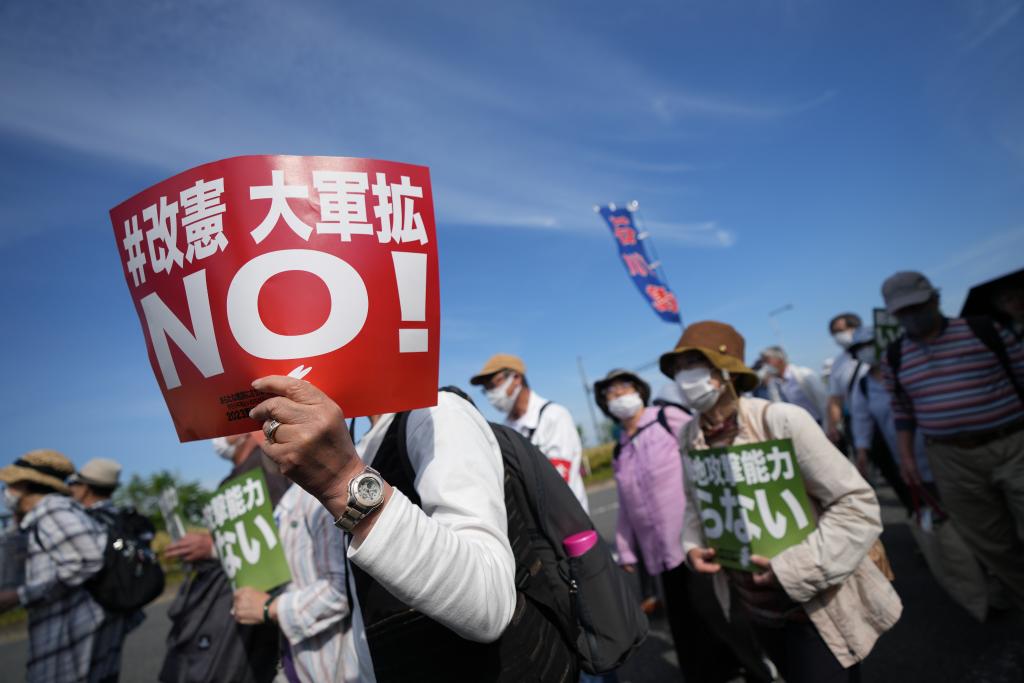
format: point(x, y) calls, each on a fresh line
point(642, 387)
point(100, 472)
point(497, 363)
point(721, 344)
point(43, 466)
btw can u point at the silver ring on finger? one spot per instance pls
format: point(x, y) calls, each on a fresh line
point(270, 428)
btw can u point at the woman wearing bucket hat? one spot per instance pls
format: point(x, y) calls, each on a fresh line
point(65, 549)
point(818, 606)
point(649, 478)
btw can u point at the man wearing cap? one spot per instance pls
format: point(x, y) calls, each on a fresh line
point(548, 425)
point(960, 381)
point(65, 549)
point(92, 486)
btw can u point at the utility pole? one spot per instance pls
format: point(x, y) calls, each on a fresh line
point(775, 323)
point(588, 395)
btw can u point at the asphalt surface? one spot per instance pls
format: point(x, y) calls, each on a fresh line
point(935, 641)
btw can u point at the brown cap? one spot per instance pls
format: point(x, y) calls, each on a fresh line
point(721, 344)
point(42, 466)
point(497, 363)
point(101, 472)
point(642, 387)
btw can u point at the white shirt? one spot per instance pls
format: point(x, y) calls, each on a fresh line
point(311, 610)
point(802, 387)
point(451, 559)
point(843, 367)
point(554, 433)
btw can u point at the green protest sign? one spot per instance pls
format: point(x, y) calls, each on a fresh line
point(887, 329)
point(242, 522)
point(752, 500)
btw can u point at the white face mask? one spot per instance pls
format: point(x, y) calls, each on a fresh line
point(223, 448)
point(867, 355)
point(11, 499)
point(499, 397)
point(844, 338)
point(700, 394)
point(625, 406)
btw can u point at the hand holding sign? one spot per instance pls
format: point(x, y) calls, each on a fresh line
point(312, 447)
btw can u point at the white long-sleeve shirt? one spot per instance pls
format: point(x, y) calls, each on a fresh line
point(801, 386)
point(451, 559)
point(554, 433)
point(311, 610)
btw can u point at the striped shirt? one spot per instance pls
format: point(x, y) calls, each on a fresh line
point(313, 611)
point(953, 384)
point(65, 549)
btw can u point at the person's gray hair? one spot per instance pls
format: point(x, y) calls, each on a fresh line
point(776, 352)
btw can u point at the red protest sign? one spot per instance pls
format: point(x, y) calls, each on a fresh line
point(323, 268)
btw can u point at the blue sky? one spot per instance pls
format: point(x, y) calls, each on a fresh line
point(782, 153)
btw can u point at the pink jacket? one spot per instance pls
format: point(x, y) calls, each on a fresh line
point(649, 475)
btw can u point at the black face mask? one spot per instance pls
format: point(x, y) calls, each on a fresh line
point(920, 324)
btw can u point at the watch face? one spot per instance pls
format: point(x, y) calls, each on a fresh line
point(368, 491)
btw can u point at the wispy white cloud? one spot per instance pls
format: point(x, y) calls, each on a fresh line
point(989, 19)
point(989, 251)
point(672, 106)
point(705, 234)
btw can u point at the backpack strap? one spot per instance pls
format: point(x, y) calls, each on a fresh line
point(853, 378)
point(531, 430)
point(764, 422)
point(984, 329)
point(894, 356)
point(862, 385)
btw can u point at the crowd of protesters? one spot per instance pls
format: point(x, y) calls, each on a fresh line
point(406, 547)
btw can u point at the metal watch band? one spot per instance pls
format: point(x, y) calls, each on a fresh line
point(353, 513)
point(349, 519)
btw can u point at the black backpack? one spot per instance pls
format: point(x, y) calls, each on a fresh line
point(131, 576)
point(662, 420)
point(570, 613)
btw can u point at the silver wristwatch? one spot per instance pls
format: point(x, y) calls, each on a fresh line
point(365, 494)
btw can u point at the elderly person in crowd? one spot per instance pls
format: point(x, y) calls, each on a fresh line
point(93, 486)
point(790, 383)
point(65, 549)
point(819, 605)
point(649, 476)
point(872, 422)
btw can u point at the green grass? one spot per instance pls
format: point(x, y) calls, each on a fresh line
point(173, 576)
point(600, 459)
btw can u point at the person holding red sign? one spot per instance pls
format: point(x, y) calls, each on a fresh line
point(548, 425)
point(447, 557)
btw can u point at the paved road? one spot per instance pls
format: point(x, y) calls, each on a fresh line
point(935, 641)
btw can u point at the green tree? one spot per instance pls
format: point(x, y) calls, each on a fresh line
point(142, 493)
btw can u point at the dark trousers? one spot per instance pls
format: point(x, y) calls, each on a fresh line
point(710, 647)
point(802, 656)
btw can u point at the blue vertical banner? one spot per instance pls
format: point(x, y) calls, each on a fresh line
point(638, 266)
